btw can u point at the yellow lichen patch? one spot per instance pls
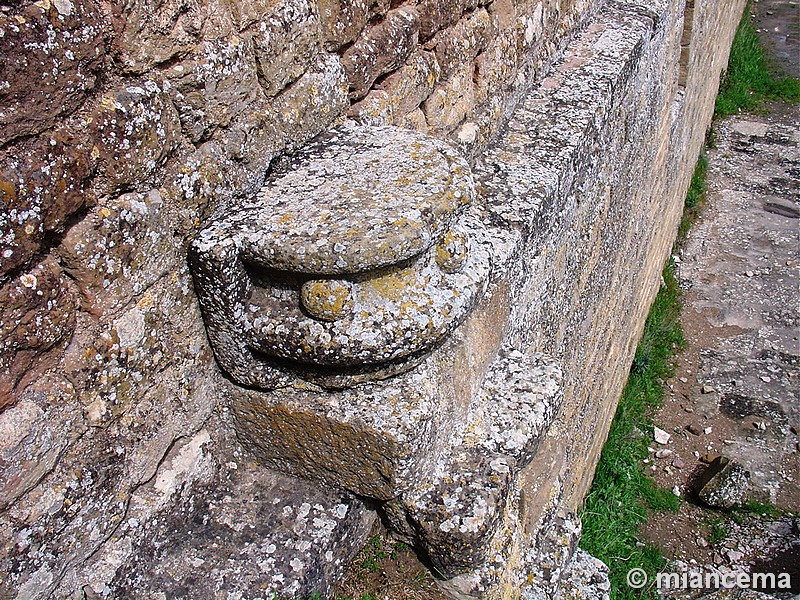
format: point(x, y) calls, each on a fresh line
point(326, 299)
point(393, 286)
point(8, 189)
point(451, 252)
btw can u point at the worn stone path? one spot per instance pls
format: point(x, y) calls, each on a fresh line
point(735, 392)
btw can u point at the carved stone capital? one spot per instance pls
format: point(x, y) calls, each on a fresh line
point(353, 262)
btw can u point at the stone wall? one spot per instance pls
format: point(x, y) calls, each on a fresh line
point(125, 126)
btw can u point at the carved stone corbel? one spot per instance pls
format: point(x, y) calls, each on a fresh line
point(353, 262)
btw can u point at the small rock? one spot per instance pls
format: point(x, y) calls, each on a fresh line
point(724, 484)
point(676, 491)
point(696, 454)
point(749, 273)
point(707, 389)
point(765, 378)
point(661, 436)
point(708, 458)
point(678, 463)
point(702, 542)
point(735, 555)
point(683, 379)
point(694, 429)
point(688, 409)
point(663, 453)
point(707, 430)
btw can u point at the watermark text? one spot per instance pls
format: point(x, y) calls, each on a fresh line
point(698, 580)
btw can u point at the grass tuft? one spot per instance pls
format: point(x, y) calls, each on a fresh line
point(750, 80)
point(693, 205)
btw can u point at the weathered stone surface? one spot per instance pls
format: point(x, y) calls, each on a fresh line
point(496, 67)
point(286, 39)
point(383, 48)
point(372, 441)
point(451, 101)
point(37, 312)
point(455, 512)
point(120, 250)
point(342, 20)
point(438, 14)
point(126, 416)
point(149, 33)
point(134, 129)
point(42, 184)
point(31, 447)
point(587, 578)
point(412, 83)
point(53, 54)
point(460, 44)
point(311, 105)
point(409, 192)
point(119, 450)
point(270, 536)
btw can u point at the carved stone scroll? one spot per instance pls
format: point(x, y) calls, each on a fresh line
point(353, 262)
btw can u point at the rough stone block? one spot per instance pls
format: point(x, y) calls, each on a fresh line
point(412, 83)
point(460, 44)
point(37, 313)
point(725, 484)
point(342, 20)
point(43, 183)
point(451, 101)
point(149, 33)
point(52, 54)
point(310, 105)
point(383, 48)
point(286, 40)
point(439, 14)
point(457, 510)
point(496, 67)
point(134, 129)
point(377, 108)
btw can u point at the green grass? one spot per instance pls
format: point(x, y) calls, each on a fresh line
point(372, 554)
point(750, 79)
point(694, 197)
point(717, 531)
